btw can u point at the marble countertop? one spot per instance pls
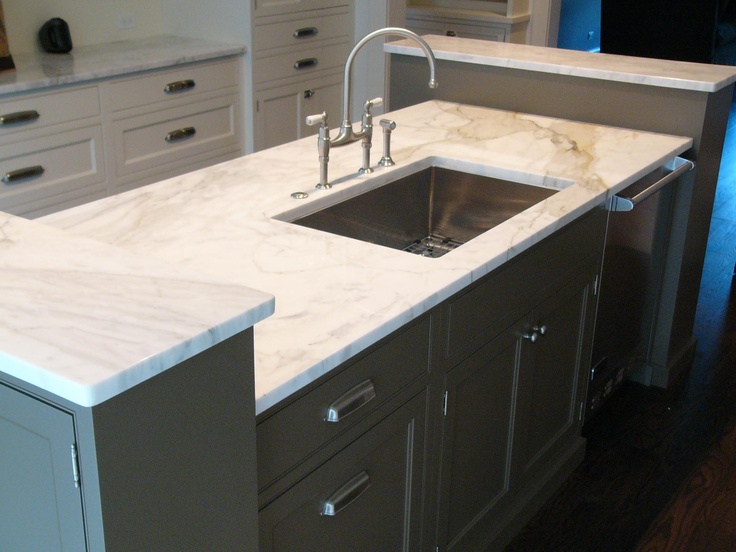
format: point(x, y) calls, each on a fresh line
point(645, 71)
point(41, 70)
point(86, 320)
point(336, 296)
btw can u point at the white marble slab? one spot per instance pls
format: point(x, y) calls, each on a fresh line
point(41, 70)
point(645, 71)
point(336, 296)
point(86, 321)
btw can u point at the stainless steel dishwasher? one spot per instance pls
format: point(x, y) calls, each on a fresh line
point(641, 265)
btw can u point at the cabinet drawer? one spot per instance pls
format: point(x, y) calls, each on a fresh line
point(300, 63)
point(264, 8)
point(498, 299)
point(69, 163)
point(174, 134)
point(301, 428)
point(183, 82)
point(58, 107)
point(367, 497)
point(298, 33)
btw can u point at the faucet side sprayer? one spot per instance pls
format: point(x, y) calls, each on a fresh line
point(347, 135)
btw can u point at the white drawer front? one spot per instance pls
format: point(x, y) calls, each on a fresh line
point(183, 82)
point(264, 8)
point(61, 106)
point(298, 64)
point(141, 142)
point(301, 32)
point(70, 162)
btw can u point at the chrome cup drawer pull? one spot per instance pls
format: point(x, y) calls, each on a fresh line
point(306, 63)
point(181, 134)
point(346, 494)
point(306, 32)
point(19, 117)
point(179, 86)
point(350, 401)
point(17, 176)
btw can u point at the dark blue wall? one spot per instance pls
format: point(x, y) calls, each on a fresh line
point(578, 18)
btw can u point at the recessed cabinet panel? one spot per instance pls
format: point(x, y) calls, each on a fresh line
point(301, 428)
point(366, 498)
point(40, 504)
point(275, 7)
point(298, 64)
point(281, 112)
point(301, 31)
point(477, 439)
point(45, 171)
point(40, 111)
point(174, 85)
point(149, 140)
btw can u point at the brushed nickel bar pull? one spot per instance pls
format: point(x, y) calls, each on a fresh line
point(14, 177)
point(181, 134)
point(179, 86)
point(306, 63)
point(306, 32)
point(350, 401)
point(19, 117)
point(680, 166)
point(346, 494)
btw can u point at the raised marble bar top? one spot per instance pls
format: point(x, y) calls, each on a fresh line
point(41, 70)
point(336, 296)
point(86, 321)
point(651, 72)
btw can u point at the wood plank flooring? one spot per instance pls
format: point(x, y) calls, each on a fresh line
point(660, 469)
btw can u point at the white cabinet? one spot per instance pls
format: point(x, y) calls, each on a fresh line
point(69, 145)
point(499, 21)
point(299, 51)
point(166, 123)
point(51, 153)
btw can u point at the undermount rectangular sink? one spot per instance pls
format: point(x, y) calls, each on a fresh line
point(429, 213)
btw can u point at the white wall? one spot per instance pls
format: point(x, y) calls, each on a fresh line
point(90, 21)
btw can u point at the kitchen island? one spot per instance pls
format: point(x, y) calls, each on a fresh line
point(688, 99)
point(352, 314)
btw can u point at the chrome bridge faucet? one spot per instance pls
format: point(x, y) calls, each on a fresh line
point(347, 135)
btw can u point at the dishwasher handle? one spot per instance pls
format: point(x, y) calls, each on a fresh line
point(619, 203)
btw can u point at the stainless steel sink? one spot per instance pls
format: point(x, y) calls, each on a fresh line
point(430, 212)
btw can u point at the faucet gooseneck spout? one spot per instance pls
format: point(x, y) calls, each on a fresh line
point(346, 134)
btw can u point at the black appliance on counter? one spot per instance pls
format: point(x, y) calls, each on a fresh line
point(55, 36)
point(636, 327)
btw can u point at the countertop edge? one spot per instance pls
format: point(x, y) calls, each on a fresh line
point(570, 63)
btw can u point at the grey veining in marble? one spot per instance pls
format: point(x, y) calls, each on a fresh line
point(336, 296)
point(38, 71)
point(645, 71)
point(86, 321)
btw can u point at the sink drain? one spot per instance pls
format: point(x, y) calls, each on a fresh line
point(432, 246)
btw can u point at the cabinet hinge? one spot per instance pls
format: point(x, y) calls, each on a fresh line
point(75, 466)
point(595, 284)
point(258, 106)
point(444, 404)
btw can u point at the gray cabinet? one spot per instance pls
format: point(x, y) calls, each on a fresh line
point(41, 504)
point(168, 464)
point(501, 369)
point(367, 497)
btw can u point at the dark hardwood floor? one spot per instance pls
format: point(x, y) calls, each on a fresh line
point(660, 468)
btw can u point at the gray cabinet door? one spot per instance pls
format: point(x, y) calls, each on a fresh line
point(477, 441)
point(40, 505)
point(552, 377)
point(367, 497)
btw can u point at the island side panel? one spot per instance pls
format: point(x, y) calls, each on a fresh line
point(176, 456)
point(702, 116)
